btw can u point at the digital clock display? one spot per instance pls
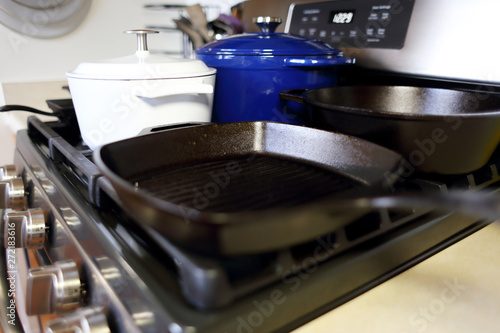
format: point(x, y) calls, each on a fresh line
point(342, 17)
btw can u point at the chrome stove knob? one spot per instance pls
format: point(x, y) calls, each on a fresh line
point(24, 229)
point(53, 288)
point(8, 172)
point(12, 194)
point(86, 320)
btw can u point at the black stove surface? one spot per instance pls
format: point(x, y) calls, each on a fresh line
point(268, 292)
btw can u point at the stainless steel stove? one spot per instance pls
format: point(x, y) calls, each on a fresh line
point(77, 254)
point(75, 262)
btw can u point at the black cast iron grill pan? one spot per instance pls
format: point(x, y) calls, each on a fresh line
point(241, 188)
point(441, 131)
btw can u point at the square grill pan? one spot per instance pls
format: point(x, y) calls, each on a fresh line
point(242, 188)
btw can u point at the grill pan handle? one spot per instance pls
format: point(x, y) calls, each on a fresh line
point(294, 95)
point(482, 204)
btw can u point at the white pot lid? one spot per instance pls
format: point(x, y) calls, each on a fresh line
point(141, 65)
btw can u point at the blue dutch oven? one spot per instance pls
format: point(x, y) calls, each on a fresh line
point(253, 68)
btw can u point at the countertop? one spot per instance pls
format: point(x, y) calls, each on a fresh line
point(456, 290)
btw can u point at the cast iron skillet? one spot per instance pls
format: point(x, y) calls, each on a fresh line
point(241, 188)
point(440, 131)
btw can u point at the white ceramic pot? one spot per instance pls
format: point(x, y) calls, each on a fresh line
point(117, 98)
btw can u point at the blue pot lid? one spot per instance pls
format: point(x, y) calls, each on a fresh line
point(268, 42)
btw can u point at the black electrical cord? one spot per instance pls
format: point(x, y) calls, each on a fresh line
point(7, 108)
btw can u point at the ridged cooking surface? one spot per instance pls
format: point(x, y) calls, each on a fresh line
point(242, 184)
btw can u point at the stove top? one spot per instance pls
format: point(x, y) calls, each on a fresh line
point(141, 280)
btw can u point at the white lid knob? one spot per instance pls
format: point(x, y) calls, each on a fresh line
point(142, 40)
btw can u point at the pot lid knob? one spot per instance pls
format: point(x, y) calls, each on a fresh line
point(267, 24)
point(142, 43)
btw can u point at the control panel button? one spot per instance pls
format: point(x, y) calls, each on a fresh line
point(373, 16)
point(53, 288)
point(12, 194)
point(85, 320)
point(8, 172)
point(359, 24)
point(385, 16)
point(26, 229)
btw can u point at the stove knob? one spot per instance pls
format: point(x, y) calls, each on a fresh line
point(24, 229)
point(12, 194)
point(53, 288)
point(86, 320)
point(8, 172)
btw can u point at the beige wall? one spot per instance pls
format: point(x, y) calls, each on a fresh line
point(31, 94)
point(6, 136)
point(33, 70)
point(7, 140)
point(100, 36)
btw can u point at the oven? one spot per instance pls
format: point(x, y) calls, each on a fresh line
point(75, 261)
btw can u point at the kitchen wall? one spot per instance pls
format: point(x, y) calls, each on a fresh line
point(33, 70)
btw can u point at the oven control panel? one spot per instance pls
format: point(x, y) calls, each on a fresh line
point(353, 23)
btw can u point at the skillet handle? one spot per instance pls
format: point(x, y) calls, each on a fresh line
point(294, 95)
